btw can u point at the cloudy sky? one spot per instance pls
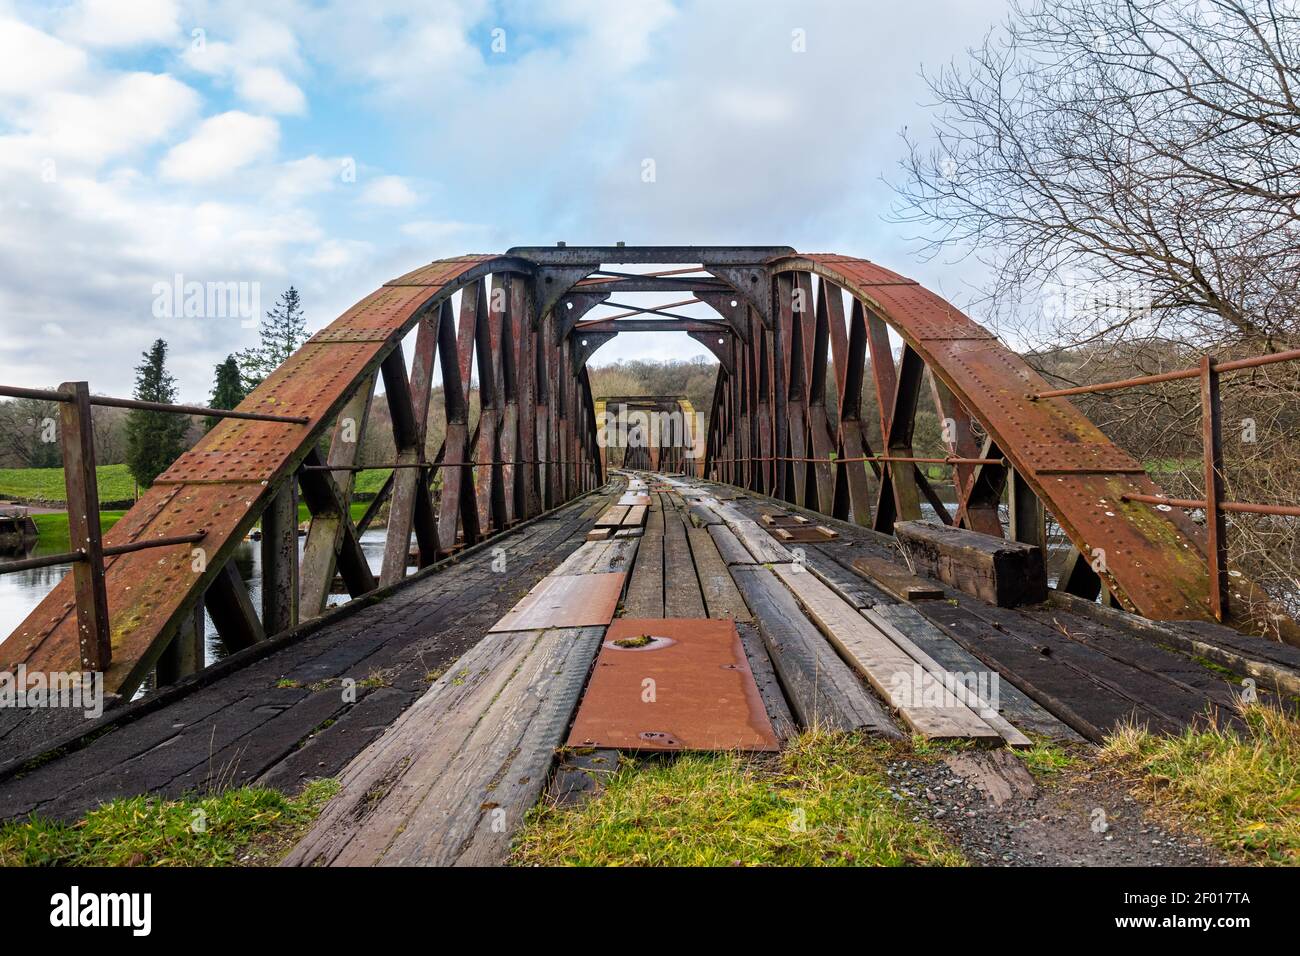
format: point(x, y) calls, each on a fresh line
point(333, 146)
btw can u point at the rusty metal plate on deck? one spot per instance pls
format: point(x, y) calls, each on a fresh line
point(566, 600)
point(703, 695)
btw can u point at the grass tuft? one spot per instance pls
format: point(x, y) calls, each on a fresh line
point(824, 801)
point(248, 826)
point(1239, 790)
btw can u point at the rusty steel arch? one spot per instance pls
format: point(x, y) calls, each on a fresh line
point(519, 329)
point(770, 431)
point(532, 448)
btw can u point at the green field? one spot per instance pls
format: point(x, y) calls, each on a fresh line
point(53, 531)
point(115, 483)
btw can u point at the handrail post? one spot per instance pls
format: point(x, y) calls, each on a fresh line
point(1215, 525)
point(76, 435)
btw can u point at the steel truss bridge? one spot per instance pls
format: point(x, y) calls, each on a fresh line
point(786, 325)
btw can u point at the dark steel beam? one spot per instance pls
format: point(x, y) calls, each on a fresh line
point(562, 255)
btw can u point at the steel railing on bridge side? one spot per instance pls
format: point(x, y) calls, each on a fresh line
point(76, 438)
point(1208, 371)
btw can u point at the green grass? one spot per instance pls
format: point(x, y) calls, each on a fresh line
point(1047, 757)
point(53, 530)
point(357, 508)
point(116, 484)
point(114, 481)
point(1239, 790)
point(251, 825)
point(1169, 465)
point(824, 801)
point(369, 482)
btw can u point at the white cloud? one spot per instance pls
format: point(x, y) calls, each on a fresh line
point(254, 62)
point(306, 176)
point(268, 88)
point(122, 116)
point(222, 145)
point(33, 62)
point(122, 23)
point(389, 191)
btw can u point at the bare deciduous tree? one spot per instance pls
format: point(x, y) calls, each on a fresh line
point(1146, 148)
point(1129, 170)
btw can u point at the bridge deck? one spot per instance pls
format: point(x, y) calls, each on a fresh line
point(1066, 672)
point(282, 719)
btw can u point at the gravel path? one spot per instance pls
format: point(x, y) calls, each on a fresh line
point(1074, 817)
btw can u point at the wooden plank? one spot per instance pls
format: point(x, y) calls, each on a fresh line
point(1093, 708)
point(629, 532)
point(1013, 703)
point(759, 543)
point(924, 703)
point(645, 590)
point(769, 685)
point(729, 546)
point(847, 584)
point(823, 690)
point(894, 580)
point(805, 535)
point(635, 516)
point(983, 702)
point(721, 599)
point(582, 559)
point(1005, 573)
point(682, 595)
point(600, 534)
point(612, 517)
point(450, 782)
point(566, 600)
point(618, 555)
point(702, 514)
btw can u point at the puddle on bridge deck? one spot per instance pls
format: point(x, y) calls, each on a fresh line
point(21, 591)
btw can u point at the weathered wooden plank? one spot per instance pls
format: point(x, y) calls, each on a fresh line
point(645, 591)
point(925, 704)
point(612, 517)
point(583, 558)
point(896, 581)
point(721, 599)
point(702, 514)
point(1160, 680)
point(729, 546)
point(769, 685)
point(635, 516)
point(1270, 663)
point(842, 581)
point(682, 595)
point(1002, 572)
point(1012, 702)
point(822, 689)
point(759, 543)
point(566, 600)
point(618, 556)
point(450, 782)
point(1090, 707)
point(980, 695)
